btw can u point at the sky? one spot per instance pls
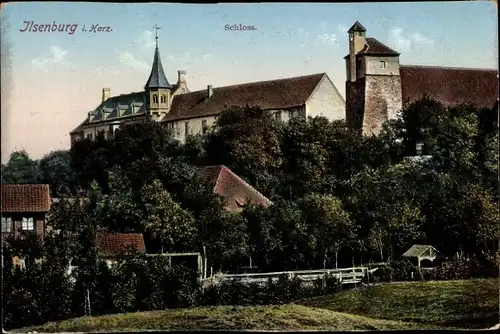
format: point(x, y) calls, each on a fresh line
point(51, 80)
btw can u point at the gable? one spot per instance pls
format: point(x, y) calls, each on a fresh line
point(234, 189)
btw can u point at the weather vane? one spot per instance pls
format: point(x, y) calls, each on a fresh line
point(156, 33)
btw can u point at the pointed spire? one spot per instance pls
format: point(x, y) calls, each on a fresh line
point(157, 78)
point(357, 27)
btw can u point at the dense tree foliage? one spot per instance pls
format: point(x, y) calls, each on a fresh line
point(430, 177)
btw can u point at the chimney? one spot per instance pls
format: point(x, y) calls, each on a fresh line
point(209, 91)
point(181, 77)
point(106, 93)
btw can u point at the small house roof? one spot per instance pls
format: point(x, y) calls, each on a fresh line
point(18, 198)
point(417, 250)
point(116, 244)
point(232, 187)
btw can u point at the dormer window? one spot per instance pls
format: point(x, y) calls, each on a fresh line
point(382, 64)
point(163, 99)
point(155, 98)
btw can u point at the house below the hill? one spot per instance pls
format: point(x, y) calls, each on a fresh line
point(233, 188)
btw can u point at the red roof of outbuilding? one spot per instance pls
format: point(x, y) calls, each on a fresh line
point(233, 188)
point(112, 245)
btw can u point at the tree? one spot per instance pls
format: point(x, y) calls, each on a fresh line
point(57, 171)
point(21, 169)
point(165, 218)
point(237, 141)
point(330, 222)
point(121, 211)
point(379, 202)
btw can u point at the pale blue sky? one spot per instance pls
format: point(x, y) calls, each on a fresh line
point(65, 73)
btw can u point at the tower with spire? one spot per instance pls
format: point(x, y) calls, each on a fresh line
point(158, 89)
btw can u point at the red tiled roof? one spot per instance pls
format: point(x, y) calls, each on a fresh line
point(25, 198)
point(450, 86)
point(268, 95)
point(233, 188)
point(111, 245)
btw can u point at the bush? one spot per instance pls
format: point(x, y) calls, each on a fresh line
point(463, 268)
point(384, 273)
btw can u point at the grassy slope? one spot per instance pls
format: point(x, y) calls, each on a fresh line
point(464, 304)
point(285, 317)
point(410, 305)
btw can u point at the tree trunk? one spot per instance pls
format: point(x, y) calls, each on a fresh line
point(324, 260)
point(204, 262)
point(336, 258)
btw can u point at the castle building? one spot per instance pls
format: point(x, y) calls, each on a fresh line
point(188, 113)
point(378, 87)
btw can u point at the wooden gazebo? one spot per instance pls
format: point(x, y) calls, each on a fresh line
point(422, 252)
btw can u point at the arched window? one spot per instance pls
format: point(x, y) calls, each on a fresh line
point(155, 98)
point(163, 99)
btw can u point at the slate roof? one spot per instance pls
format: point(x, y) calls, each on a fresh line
point(268, 95)
point(450, 85)
point(356, 27)
point(113, 245)
point(157, 78)
point(25, 198)
point(119, 106)
point(417, 250)
point(233, 188)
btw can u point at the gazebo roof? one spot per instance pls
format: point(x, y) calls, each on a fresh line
point(417, 250)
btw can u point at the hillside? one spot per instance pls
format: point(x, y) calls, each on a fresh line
point(408, 305)
point(285, 317)
point(463, 304)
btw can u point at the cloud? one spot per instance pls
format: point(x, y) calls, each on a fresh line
point(57, 56)
point(342, 28)
point(421, 39)
point(206, 56)
point(405, 44)
point(146, 41)
point(401, 43)
point(327, 39)
point(131, 61)
point(305, 37)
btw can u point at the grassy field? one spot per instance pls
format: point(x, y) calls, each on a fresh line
point(410, 305)
point(285, 317)
point(464, 304)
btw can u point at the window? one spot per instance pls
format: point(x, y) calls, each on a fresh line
point(204, 127)
point(382, 64)
point(419, 148)
point(163, 99)
point(277, 115)
point(186, 129)
point(294, 113)
point(27, 224)
point(6, 224)
point(155, 98)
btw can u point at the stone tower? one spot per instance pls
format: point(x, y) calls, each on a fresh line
point(373, 83)
point(158, 90)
